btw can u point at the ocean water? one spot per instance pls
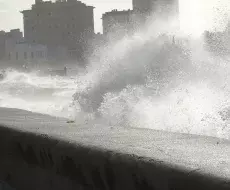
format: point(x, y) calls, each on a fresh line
point(32, 92)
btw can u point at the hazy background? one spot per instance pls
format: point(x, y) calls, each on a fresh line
point(206, 14)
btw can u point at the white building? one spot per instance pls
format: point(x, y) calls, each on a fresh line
point(26, 54)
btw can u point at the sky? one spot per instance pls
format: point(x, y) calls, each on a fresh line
point(196, 15)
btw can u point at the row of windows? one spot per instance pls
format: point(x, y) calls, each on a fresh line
point(38, 54)
point(51, 14)
point(64, 35)
point(58, 26)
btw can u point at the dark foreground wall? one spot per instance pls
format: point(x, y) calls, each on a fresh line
point(39, 152)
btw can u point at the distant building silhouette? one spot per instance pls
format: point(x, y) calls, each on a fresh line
point(142, 5)
point(167, 7)
point(167, 10)
point(2, 44)
point(64, 23)
point(117, 22)
point(218, 42)
point(27, 54)
point(16, 52)
point(8, 40)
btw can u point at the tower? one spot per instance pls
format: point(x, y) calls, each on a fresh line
point(142, 5)
point(165, 6)
point(38, 1)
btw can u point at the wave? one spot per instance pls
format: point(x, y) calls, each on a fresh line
point(164, 80)
point(160, 80)
point(32, 92)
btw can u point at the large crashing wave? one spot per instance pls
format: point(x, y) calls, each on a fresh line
point(158, 82)
point(160, 60)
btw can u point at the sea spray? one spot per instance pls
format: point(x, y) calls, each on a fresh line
point(161, 79)
point(29, 91)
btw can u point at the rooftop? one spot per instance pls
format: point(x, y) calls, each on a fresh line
point(57, 3)
point(117, 12)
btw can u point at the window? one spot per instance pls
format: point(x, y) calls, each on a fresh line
point(32, 55)
point(39, 54)
point(25, 55)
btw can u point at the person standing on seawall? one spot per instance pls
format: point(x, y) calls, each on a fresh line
point(65, 71)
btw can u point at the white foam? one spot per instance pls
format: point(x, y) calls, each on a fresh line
point(28, 91)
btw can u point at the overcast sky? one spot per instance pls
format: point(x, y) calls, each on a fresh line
point(195, 14)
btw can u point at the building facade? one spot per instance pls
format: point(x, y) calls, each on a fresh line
point(64, 23)
point(218, 42)
point(8, 40)
point(30, 55)
point(117, 22)
point(163, 7)
point(2, 44)
point(142, 5)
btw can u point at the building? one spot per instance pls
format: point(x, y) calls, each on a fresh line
point(64, 23)
point(8, 40)
point(2, 44)
point(142, 5)
point(117, 22)
point(16, 52)
point(165, 10)
point(26, 54)
point(218, 42)
point(163, 7)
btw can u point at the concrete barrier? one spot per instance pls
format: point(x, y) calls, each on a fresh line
point(42, 152)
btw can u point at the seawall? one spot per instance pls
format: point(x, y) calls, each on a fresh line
point(39, 152)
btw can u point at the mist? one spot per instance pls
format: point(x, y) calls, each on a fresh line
point(160, 77)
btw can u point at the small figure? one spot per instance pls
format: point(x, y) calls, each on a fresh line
point(65, 71)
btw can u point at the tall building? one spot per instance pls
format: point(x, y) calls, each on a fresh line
point(2, 44)
point(118, 22)
point(166, 10)
point(168, 7)
point(142, 5)
point(64, 23)
point(26, 54)
point(8, 40)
